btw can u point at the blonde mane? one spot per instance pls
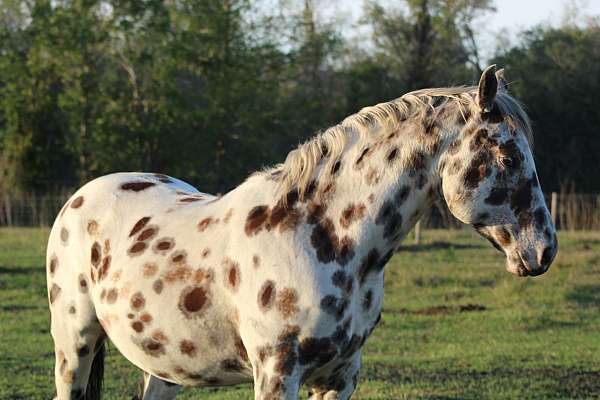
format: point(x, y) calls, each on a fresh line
point(300, 165)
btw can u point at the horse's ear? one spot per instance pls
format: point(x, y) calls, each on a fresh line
point(488, 87)
point(502, 82)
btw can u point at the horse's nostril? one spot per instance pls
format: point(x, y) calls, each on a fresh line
point(547, 256)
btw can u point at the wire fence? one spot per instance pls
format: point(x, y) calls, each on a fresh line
point(571, 211)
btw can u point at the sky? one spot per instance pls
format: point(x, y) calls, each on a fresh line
point(511, 16)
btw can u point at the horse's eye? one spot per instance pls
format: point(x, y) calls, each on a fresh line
point(508, 162)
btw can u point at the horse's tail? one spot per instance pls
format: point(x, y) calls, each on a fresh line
point(94, 386)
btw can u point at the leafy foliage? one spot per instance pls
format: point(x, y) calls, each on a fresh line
point(211, 90)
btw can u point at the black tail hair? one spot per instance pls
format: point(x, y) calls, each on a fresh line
point(94, 386)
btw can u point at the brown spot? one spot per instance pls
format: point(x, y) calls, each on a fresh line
point(336, 167)
point(159, 336)
point(72, 310)
point(137, 248)
point(54, 292)
point(64, 235)
point(352, 213)
point(193, 301)
point(228, 216)
point(103, 270)
point(372, 263)
point(190, 199)
point(78, 202)
point(477, 170)
point(287, 300)
point(520, 200)
point(266, 295)
point(137, 301)
point(179, 257)
point(497, 196)
point(334, 306)
point(232, 274)
point(146, 318)
point(390, 218)
point(116, 276)
point(392, 155)
point(415, 163)
point(69, 376)
point(102, 295)
point(359, 161)
point(163, 245)
point(325, 241)
point(179, 273)
point(231, 365)
point(368, 300)
point(92, 227)
point(188, 348)
point(95, 254)
point(112, 296)
point(157, 286)
point(137, 326)
point(147, 234)
point(153, 347)
point(53, 264)
point(372, 178)
point(205, 252)
point(206, 223)
point(255, 261)
point(139, 226)
point(137, 186)
point(345, 251)
point(371, 198)
point(454, 147)
point(256, 219)
point(149, 269)
point(202, 276)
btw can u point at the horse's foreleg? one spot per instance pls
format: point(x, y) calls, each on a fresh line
point(340, 384)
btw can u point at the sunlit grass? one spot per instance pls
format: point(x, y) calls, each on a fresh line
point(455, 325)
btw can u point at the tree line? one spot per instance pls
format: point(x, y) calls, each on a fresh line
point(211, 90)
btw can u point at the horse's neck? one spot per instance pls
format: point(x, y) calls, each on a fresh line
point(378, 195)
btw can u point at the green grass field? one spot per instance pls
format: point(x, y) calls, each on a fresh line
point(455, 325)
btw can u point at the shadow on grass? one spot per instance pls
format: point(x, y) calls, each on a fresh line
point(18, 308)
point(416, 248)
point(562, 382)
point(438, 310)
point(585, 295)
point(21, 270)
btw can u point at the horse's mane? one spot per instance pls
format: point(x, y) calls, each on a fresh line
point(299, 167)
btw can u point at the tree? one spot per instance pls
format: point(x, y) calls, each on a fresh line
point(558, 72)
point(428, 42)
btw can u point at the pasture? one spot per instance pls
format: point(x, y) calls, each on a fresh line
point(455, 325)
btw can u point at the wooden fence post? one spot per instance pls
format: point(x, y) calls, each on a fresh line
point(418, 232)
point(554, 207)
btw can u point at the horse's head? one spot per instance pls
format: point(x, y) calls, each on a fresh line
point(489, 179)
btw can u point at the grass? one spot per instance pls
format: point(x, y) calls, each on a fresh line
point(455, 325)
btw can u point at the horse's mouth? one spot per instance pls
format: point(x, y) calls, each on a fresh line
point(516, 264)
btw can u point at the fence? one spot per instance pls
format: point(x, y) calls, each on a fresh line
point(570, 211)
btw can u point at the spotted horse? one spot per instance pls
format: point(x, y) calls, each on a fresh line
point(280, 281)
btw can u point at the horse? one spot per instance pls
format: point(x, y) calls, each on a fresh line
point(279, 282)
